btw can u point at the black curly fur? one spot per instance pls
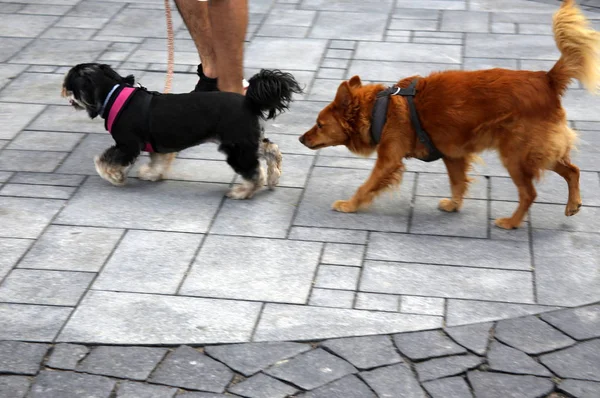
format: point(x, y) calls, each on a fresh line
point(270, 92)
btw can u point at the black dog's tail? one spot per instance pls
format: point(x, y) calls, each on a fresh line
point(270, 92)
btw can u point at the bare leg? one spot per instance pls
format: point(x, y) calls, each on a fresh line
point(459, 182)
point(229, 21)
point(196, 18)
point(570, 173)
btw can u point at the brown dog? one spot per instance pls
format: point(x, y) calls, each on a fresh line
point(518, 113)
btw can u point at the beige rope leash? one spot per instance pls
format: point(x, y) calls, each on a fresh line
point(170, 48)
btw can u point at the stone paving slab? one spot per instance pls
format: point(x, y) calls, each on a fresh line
point(176, 263)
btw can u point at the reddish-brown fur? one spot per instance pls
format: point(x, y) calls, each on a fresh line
point(516, 113)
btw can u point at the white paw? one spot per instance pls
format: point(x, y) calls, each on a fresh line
point(241, 192)
point(146, 172)
point(116, 176)
point(273, 177)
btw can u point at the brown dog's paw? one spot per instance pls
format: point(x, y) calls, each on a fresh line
point(344, 206)
point(506, 223)
point(572, 209)
point(448, 205)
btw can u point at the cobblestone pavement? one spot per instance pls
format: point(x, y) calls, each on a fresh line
point(554, 355)
point(174, 262)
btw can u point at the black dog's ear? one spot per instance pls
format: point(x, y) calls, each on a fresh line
point(129, 79)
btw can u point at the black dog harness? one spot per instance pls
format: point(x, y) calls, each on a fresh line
point(379, 118)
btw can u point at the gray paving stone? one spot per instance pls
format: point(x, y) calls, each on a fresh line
point(465, 21)
point(26, 25)
point(21, 358)
point(290, 17)
point(188, 368)
point(391, 71)
point(282, 31)
point(14, 117)
point(581, 361)
point(579, 323)
point(12, 250)
point(31, 322)
point(67, 356)
point(438, 368)
point(454, 387)
point(347, 387)
point(429, 344)
point(14, 386)
point(506, 359)
point(379, 302)
point(335, 63)
point(11, 46)
point(352, 26)
point(265, 52)
point(447, 281)
point(413, 24)
point(364, 352)
point(134, 363)
point(445, 250)
point(70, 385)
point(471, 221)
point(331, 298)
point(304, 323)
point(130, 389)
point(190, 206)
point(498, 385)
point(473, 337)
point(5, 175)
point(45, 9)
point(422, 305)
point(263, 386)
point(489, 63)
point(25, 217)
point(387, 213)
point(485, 45)
point(251, 358)
point(66, 180)
point(531, 335)
point(36, 191)
point(515, 6)
point(60, 52)
point(435, 53)
point(65, 118)
point(16, 160)
point(158, 319)
point(45, 287)
point(431, 184)
point(216, 273)
point(72, 248)
point(328, 235)
point(337, 277)
point(580, 388)
point(296, 169)
point(547, 216)
point(140, 23)
point(367, 6)
point(395, 381)
point(138, 263)
point(312, 369)
point(343, 254)
point(80, 161)
point(268, 215)
point(462, 312)
point(201, 395)
point(45, 141)
point(38, 88)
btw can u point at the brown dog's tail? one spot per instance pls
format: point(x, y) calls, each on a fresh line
point(579, 45)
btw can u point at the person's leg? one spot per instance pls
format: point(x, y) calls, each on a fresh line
point(196, 19)
point(229, 21)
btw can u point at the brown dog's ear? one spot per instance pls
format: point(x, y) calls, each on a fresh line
point(343, 97)
point(355, 82)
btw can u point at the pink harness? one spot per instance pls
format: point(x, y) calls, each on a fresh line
point(116, 109)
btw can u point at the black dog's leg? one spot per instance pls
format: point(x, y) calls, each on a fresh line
point(114, 163)
point(244, 160)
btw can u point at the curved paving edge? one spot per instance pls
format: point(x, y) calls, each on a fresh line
point(556, 354)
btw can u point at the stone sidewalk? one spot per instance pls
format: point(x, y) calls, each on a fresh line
point(174, 262)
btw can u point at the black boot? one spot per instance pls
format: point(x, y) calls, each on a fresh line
point(205, 83)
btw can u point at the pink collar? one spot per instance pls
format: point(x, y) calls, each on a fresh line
point(116, 108)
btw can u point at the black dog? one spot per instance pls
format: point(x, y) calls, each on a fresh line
point(163, 124)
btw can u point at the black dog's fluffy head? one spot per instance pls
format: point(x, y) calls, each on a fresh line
point(87, 86)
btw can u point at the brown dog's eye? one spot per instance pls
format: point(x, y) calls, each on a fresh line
point(319, 125)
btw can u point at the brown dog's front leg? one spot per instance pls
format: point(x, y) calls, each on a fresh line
point(385, 175)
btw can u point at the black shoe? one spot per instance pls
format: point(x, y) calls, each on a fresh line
point(205, 83)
